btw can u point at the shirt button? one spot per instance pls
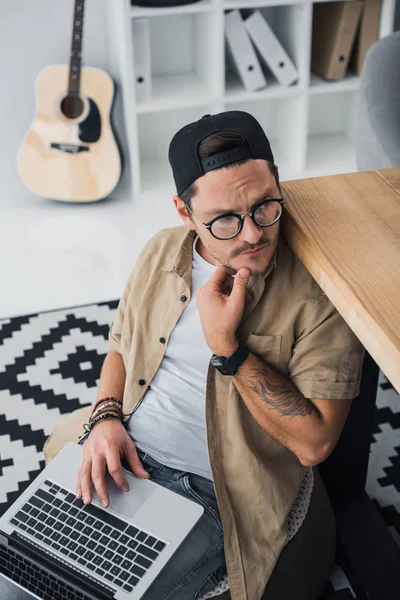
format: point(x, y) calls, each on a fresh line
point(142, 382)
point(162, 340)
point(183, 298)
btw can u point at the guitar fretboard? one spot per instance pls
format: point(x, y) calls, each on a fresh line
point(74, 81)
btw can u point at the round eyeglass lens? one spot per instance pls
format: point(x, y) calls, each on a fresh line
point(225, 227)
point(268, 213)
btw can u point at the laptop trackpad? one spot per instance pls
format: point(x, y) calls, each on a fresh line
point(127, 503)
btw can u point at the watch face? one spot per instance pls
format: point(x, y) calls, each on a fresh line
point(219, 364)
point(216, 361)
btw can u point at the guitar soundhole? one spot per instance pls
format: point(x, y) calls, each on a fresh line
point(72, 107)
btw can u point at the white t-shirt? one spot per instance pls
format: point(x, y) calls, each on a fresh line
point(170, 422)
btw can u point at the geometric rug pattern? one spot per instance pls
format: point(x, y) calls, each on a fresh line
point(50, 365)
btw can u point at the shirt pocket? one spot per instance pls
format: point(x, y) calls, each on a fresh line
point(266, 347)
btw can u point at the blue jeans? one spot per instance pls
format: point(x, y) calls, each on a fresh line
point(199, 563)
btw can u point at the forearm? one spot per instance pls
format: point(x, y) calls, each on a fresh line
point(112, 377)
point(281, 410)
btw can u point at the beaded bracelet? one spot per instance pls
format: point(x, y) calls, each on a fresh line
point(114, 405)
point(108, 399)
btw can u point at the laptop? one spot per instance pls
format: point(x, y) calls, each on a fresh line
point(53, 547)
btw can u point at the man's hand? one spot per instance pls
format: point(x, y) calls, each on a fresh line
point(102, 451)
point(221, 304)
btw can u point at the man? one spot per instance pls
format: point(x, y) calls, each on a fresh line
point(237, 373)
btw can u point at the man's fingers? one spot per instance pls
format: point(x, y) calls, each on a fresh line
point(239, 290)
point(218, 279)
point(99, 479)
point(115, 469)
point(228, 289)
point(85, 481)
point(133, 460)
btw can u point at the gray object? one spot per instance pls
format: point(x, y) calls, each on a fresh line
point(59, 539)
point(378, 126)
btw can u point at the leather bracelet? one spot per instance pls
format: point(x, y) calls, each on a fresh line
point(101, 418)
point(106, 411)
point(113, 405)
point(108, 399)
point(87, 427)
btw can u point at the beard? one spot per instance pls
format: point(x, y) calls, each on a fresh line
point(227, 259)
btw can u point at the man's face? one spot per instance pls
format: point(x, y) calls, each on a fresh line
point(235, 190)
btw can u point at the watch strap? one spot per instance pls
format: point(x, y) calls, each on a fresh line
point(230, 365)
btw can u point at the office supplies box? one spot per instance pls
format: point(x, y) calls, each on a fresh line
point(334, 29)
point(242, 53)
point(142, 59)
point(270, 49)
point(368, 33)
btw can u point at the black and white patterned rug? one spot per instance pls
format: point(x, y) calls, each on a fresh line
point(50, 365)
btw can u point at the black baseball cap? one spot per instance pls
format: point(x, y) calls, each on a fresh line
point(183, 149)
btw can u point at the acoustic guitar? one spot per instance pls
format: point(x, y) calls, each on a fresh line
point(70, 152)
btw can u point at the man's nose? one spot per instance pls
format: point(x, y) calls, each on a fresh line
point(251, 233)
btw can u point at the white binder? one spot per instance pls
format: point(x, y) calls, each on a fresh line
point(142, 59)
point(271, 49)
point(242, 52)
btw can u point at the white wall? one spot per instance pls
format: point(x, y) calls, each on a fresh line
point(34, 34)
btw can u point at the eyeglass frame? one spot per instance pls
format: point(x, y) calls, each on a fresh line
point(208, 225)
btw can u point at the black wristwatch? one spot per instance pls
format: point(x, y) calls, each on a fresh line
point(229, 366)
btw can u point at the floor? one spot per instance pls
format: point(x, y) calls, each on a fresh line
point(57, 254)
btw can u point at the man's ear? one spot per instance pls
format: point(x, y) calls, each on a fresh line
point(183, 212)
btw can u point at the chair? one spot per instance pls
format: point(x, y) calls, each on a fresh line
point(378, 124)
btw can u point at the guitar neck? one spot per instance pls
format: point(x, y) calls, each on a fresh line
point(74, 81)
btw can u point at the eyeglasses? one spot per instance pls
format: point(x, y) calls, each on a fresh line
point(263, 214)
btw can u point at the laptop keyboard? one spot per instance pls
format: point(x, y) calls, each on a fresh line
point(35, 579)
point(89, 536)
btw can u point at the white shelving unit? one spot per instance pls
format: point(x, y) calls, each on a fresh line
point(310, 124)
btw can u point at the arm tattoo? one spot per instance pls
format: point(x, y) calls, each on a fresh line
point(280, 393)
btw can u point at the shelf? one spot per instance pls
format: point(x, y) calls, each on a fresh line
point(242, 4)
point(286, 21)
point(172, 92)
point(235, 91)
point(332, 123)
point(155, 132)
point(281, 120)
point(312, 125)
point(157, 177)
point(329, 155)
point(318, 85)
point(197, 7)
point(183, 69)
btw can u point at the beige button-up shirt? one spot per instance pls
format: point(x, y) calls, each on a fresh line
point(294, 328)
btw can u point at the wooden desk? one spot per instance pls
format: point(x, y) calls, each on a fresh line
point(346, 231)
